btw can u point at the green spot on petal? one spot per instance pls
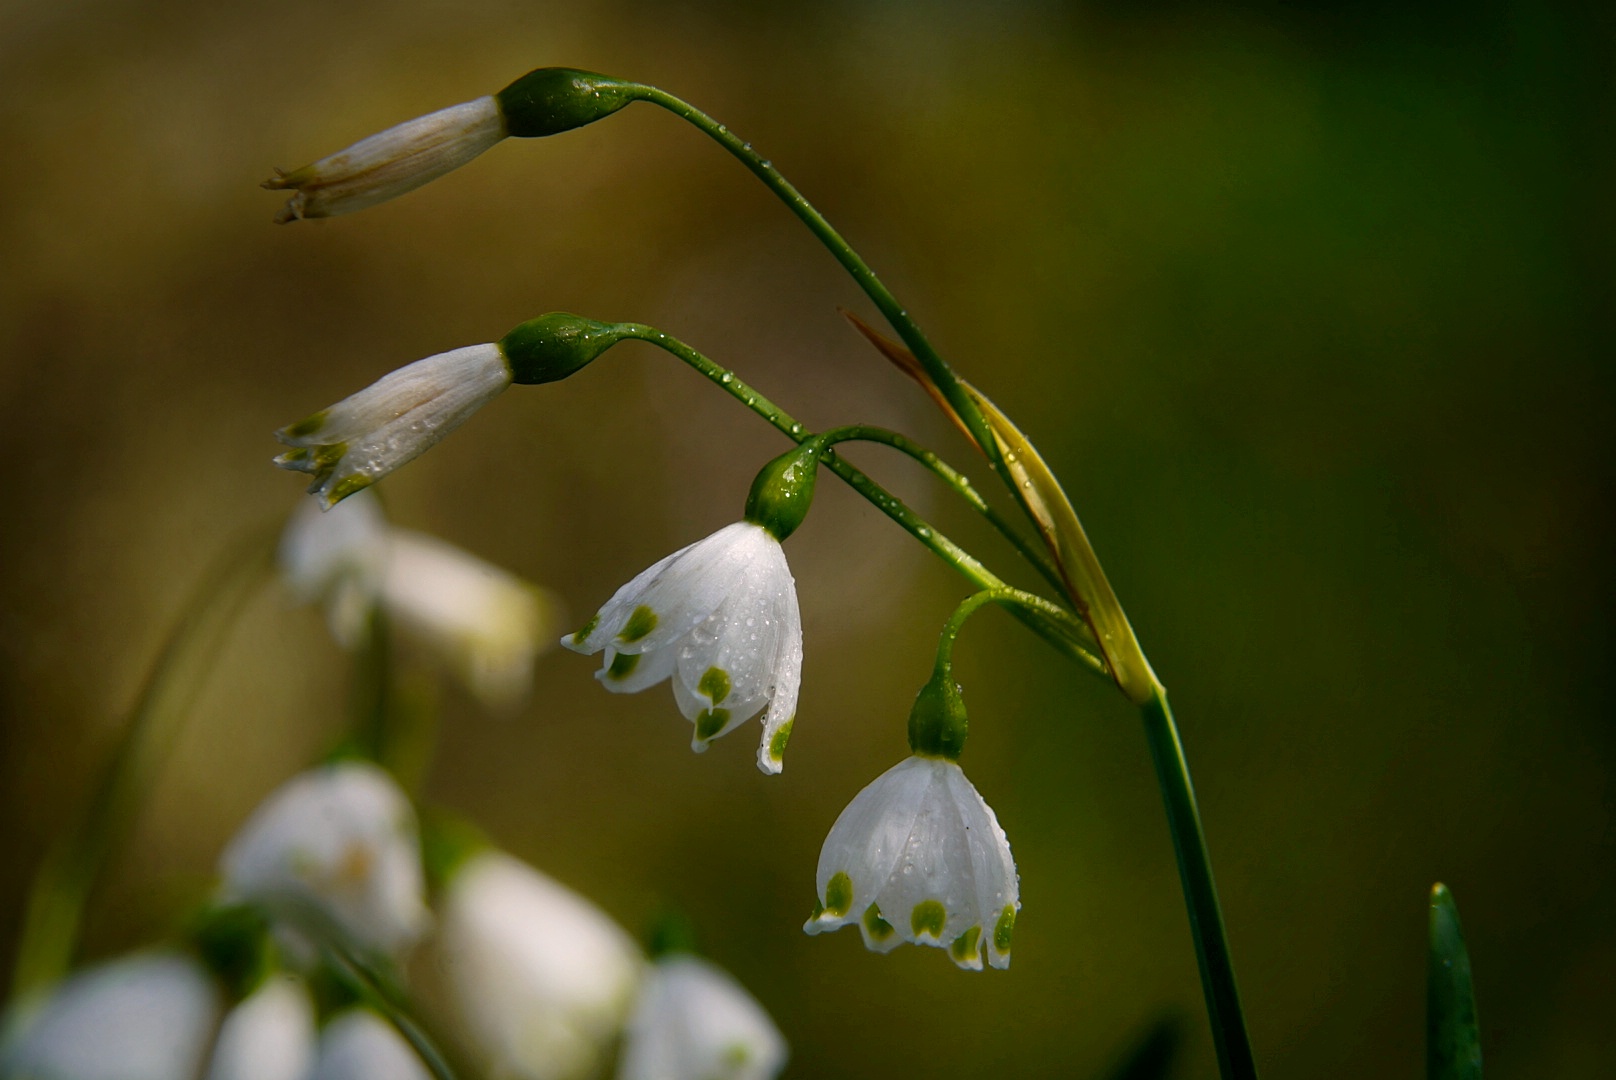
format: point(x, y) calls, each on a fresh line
point(349, 485)
point(777, 745)
point(965, 945)
point(623, 665)
point(305, 427)
point(877, 927)
point(642, 622)
point(819, 909)
point(711, 722)
point(839, 894)
point(715, 684)
point(929, 917)
point(585, 630)
point(1003, 930)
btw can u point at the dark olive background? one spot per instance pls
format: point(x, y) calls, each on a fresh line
point(1309, 305)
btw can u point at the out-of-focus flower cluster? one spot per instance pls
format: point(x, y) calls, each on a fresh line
point(539, 983)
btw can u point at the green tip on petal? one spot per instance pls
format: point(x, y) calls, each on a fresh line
point(640, 623)
point(715, 684)
point(349, 485)
point(839, 894)
point(877, 927)
point(306, 427)
point(710, 722)
point(583, 632)
point(929, 917)
point(623, 665)
point(964, 947)
point(777, 745)
point(1004, 930)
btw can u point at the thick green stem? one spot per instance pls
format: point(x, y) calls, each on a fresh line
point(959, 483)
point(1229, 1036)
point(63, 883)
point(935, 366)
point(966, 564)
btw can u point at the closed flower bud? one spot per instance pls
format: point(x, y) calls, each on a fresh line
point(364, 437)
point(359, 1045)
point(694, 1022)
point(388, 164)
point(341, 841)
point(919, 857)
point(542, 979)
point(721, 618)
point(145, 1017)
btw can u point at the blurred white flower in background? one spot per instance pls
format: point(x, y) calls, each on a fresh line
point(359, 1045)
point(149, 1016)
point(486, 624)
point(268, 1036)
point(721, 617)
point(340, 840)
point(541, 978)
point(918, 856)
point(693, 1021)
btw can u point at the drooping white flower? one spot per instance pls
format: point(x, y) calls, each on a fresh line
point(695, 1022)
point(486, 622)
point(340, 840)
point(337, 557)
point(541, 978)
point(269, 1036)
point(143, 1017)
point(721, 617)
point(390, 163)
point(917, 856)
point(359, 1045)
point(367, 435)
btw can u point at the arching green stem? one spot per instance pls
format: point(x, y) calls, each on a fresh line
point(966, 564)
point(63, 883)
point(959, 483)
point(936, 368)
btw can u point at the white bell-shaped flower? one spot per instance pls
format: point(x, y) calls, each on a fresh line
point(390, 163)
point(149, 1016)
point(695, 1022)
point(340, 840)
point(917, 856)
point(269, 1036)
point(721, 617)
point(367, 435)
point(359, 1045)
point(338, 558)
point(487, 623)
point(541, 978)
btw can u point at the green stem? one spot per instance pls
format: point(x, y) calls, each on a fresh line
point(63, 883)
point(1229, 1035)
point(895, 313)
point(367, 984)
point(963, 562)
point(960, 484)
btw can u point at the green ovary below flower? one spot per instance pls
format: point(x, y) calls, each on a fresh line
point(918, 856)
point(721, 618)
point(367, 435)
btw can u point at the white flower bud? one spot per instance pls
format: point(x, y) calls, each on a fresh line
point(541, 978)
point(695, 1022)
point(341, 840)
point(367, 435)
point(388, 164)
point(917, 856)
point(269, 1036)
point(144, 1017)
point(359, 1045)
point(721, 617)
point(487, 623)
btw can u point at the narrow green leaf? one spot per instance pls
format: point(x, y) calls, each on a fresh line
point(1452, 1045)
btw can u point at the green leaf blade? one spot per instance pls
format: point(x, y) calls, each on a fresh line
point(1452, 1041)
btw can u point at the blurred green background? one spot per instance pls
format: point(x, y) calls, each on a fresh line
point(1310, 306)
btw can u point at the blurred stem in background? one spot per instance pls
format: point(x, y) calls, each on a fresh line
point(69, 873)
